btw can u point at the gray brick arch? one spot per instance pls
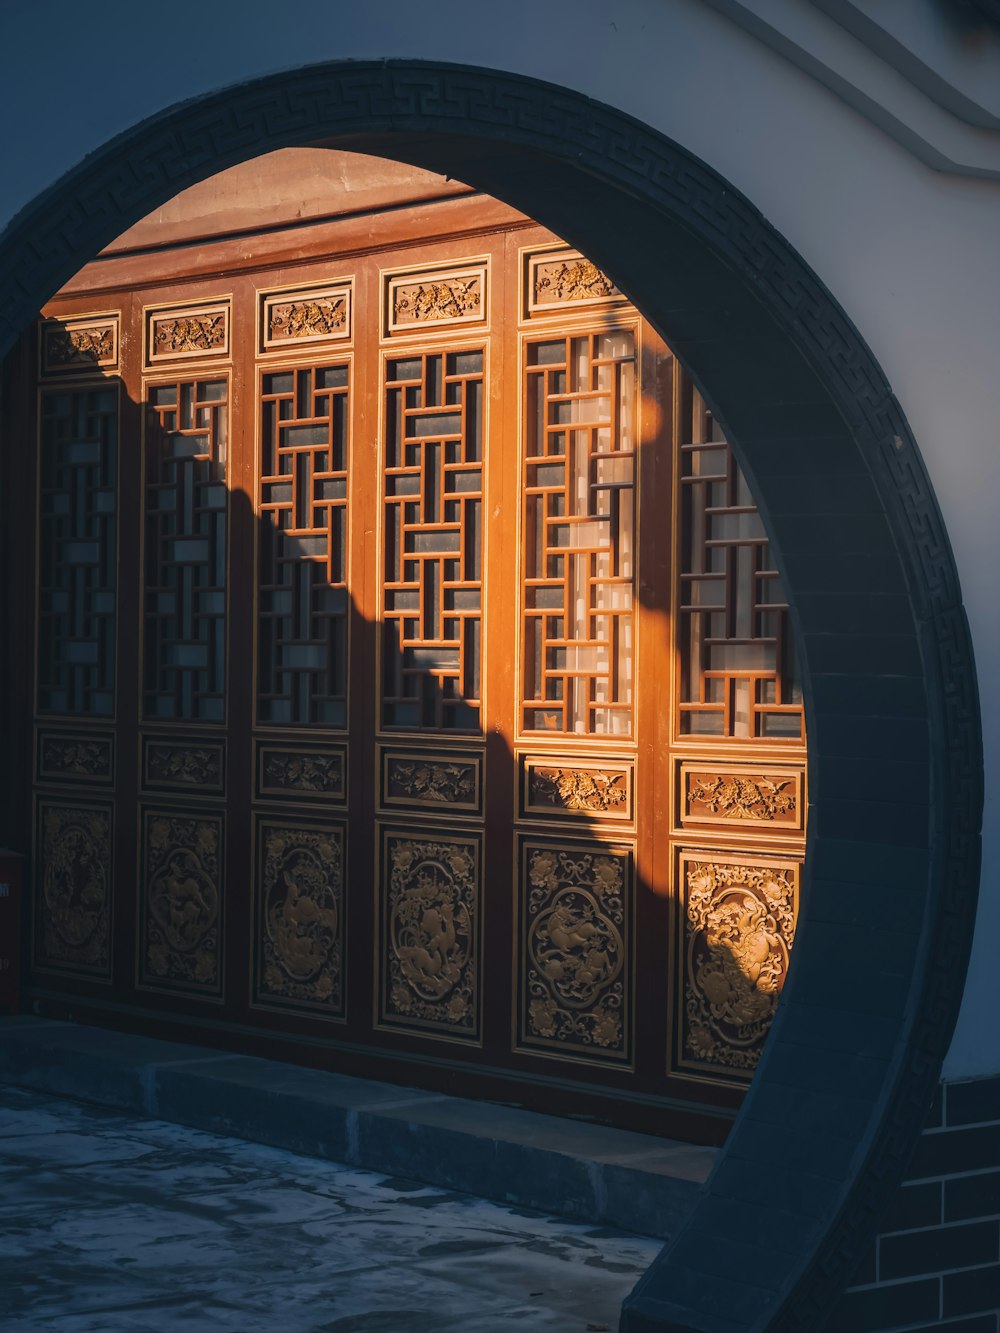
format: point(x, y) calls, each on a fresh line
point(895, 747)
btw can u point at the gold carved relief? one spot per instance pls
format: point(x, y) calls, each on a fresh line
point(577, 791)
point(182, 891)
point(308, 774)
point(301, 915)
point(197, 331)
point(455, 297)
point(77, 757)
point(729, 794)
point(168, 764)
point(446, 783)
point(576, 969)
point(306, 316)
point(566, 278)
point(74, 905)
point(79, 344)
point(739, 927)
point(431, 934)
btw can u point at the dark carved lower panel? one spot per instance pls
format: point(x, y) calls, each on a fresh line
point(183, 764)
point(738, 928)
point(299, 893)
point(429, 936)
point(73, 901)
point(75, 756)
point(432, 782)
point(180, 895)
point(300, 772)
point(575, 969)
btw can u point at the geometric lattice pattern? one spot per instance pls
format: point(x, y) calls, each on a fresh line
point(78, 462)
point(433, 541)
point(738, 669)
point(186, 502)
point(302, 661)
point(579, 535)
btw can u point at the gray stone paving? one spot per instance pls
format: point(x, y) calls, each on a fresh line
point(112, 1224)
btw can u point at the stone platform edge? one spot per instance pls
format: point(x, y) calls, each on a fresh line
point(585, 1172)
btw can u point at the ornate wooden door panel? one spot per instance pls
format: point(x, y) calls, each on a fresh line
point(452, 723)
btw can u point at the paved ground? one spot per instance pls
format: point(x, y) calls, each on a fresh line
point(109, 1224)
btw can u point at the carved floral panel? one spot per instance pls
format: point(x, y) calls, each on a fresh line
point(182, 332)
point(302, 773)
point(437, 783)
point(73, 907)
point(73, 345)
point(738, 928)
point(430, 928)
point(300, 917)
point(553, 788)
point(720, 794)
point(181, 902)
point(416, 301)
point(76, 756)
point(575, 967)
point(566, 278)
point(170, 765)
point(296, 317)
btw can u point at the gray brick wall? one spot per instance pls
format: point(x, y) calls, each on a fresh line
point(935, 1264)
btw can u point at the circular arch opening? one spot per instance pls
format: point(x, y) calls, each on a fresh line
point(887, 658)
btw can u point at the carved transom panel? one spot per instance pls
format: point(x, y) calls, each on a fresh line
point(181, 902)
point(300, 916)
point(440, 782)
point(555, 788)
point(575, 968)
point(301, 772)
point(75, 756)
point(739, 925)
point(430, 930)
point(73, 912)
point(183, 765)
point(72, 345)
point(183, 332)
point(565, 278)
point(294, 318)
point(723, 794)
point(432, 300)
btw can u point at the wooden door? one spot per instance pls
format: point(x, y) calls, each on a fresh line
point(413, 689)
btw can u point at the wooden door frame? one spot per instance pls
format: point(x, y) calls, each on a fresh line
point(890, 891)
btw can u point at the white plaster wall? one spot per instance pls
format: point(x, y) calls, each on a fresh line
point(910, 253)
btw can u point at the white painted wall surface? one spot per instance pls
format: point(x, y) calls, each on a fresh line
point(912, 254)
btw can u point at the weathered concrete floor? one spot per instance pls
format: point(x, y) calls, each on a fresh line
point(112, 1224)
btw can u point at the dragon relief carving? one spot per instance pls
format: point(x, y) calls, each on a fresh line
point(575, 965)
point(75, 902)
point(319, 317)
point(75, 757)
point(305, 772)
point(736, 796)
point(448, 298)
point(739, 929)
point(432, 913)
point(189, 333)
point(199, 767)
point(64, 346)
point(441, 783)
point(302, 890)
point(182, 943)
point(577, 789)
point(571, 280)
